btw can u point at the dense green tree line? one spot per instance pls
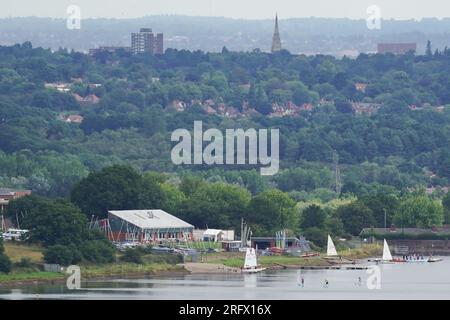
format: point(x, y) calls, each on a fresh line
point(394, 147)
point(62, 227)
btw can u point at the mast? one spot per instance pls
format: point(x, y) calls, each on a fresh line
point(337, 173)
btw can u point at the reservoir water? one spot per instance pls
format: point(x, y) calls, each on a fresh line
point(398, 281)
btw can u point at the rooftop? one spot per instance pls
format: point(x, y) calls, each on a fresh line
point(273, 238)
point(11, 192)
point(401, 230)
point(151, 219)
point(212, 232)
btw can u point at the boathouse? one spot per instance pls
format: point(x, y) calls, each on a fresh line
point(146, 226)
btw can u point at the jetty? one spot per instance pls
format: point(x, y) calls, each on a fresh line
point(332, 267)
point(197, 267)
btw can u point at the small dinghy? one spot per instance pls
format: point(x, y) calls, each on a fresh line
point(251, 264)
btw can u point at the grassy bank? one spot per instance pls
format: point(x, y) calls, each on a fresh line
point(365, 251)
point(91, 271)
point(15, 251)
point(236, 259)
point(30, 276)
point(127, 269)
point(231, 259)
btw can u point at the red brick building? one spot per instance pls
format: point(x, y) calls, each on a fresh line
point(396, 48)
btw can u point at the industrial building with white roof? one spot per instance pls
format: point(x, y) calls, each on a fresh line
point(147, 226)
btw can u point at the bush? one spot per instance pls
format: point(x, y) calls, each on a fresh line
point(133, 256)
point(2, 248)
point(400, 236)
point(164, 258)
point(99, 251)
point(63, 255)
point(5, 263)
point(24, 263)
point(316, 236)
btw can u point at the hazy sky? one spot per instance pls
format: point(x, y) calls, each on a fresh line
point(249, 9)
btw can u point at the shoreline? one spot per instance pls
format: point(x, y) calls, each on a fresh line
point(61, 278)
point(216, 263)
point(181, 269)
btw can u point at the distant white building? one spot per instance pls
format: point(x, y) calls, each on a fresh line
point(213, 235)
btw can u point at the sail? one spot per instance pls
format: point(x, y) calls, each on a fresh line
point(250, 258)
point(331, 249)
point(386, 252)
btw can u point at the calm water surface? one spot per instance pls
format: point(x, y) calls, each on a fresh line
point(398, 281)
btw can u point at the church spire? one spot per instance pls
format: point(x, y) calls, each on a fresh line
point(276, 41)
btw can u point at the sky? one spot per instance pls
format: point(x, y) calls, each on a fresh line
point(242, 9)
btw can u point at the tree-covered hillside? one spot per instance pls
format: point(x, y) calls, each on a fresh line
point(64, 114)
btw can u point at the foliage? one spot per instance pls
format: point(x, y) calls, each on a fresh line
point(392, 146)
point(317, 236)
point(113, 188)
point(313, 216)
point(355, 217)
point(56, 221)
point(399, 235)
point(216, 205)
point(5, 264)
point(109, 160)
point(24, 262)
point(419, 211)
point(271, 211)
point(132, 256)
point(97, 251)
point(62, 254)
point(381, 204)
point(446, 204)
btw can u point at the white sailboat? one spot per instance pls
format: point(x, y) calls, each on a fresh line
point(251, 263)
point(387, 256)
point(331, 249)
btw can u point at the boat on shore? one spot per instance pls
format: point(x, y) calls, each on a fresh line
point(433, 259)
point(331, 249)
point(309, 254)
point(251, 263)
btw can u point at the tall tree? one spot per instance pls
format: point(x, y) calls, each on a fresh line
point(272, 211)
point(56, 222)
point(419, 211)
point(355, 217)
point(216, 205)
point(313, 216)
point(113, 188)
point(383, 207)
point(429, 51)
point(446, 204)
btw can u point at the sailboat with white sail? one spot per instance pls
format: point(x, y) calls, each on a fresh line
point(387, 256)
point(251, 263)
point(331, 249)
